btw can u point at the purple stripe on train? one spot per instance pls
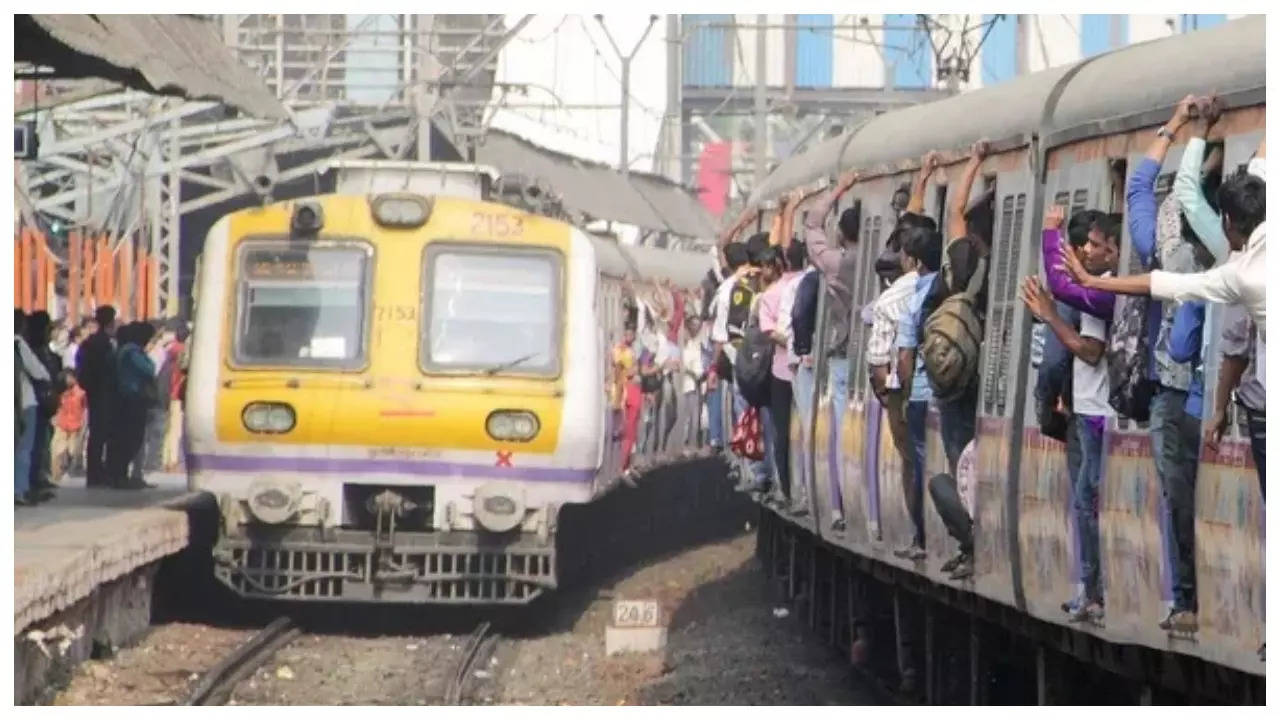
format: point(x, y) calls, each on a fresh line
point(438, 468)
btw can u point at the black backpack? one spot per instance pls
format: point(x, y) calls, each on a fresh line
point(753, 368)
point(1129, 359)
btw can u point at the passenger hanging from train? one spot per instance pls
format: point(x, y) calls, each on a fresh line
point(922, 250)
point(781, 274)
point(950, 342)
point(691, 378)
point(1163, 240)
point(733, 304)
point(1089, 403)
point(838, 264)
point(899, 275)
point(626, 391)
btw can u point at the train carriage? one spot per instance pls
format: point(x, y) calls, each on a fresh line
point(1068, 135)
point(393, 391)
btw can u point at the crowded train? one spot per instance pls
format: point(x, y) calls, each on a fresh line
point(1018, 346)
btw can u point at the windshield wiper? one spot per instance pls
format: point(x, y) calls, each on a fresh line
point(510, 363)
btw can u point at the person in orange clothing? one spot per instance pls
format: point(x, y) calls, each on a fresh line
point(68, 426)
point(626, 391)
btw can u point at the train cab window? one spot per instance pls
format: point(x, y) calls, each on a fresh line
point(491, 311)
point(302, 305)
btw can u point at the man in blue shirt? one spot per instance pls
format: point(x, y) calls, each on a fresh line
point(1158, 238)
point(922, 253)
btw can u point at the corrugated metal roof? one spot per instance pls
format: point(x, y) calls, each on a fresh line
point(647, 201)
point(167, 54)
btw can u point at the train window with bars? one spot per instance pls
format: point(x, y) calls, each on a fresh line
point(1079, 201)
point(995, 318)
point(492, 310)
point(302, 304)
point(1010, 299)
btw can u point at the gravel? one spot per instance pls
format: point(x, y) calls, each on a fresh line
point(726, 645)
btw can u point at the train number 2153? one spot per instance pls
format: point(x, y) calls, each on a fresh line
point(496, 225)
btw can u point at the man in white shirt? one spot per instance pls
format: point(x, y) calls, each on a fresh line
point(1089, 394)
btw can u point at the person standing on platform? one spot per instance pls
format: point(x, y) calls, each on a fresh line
point(96, 371)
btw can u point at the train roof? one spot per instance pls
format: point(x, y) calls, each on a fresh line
point(1106, 93)
point(683, 269)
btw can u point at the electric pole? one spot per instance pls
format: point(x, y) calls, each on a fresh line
point(624, 161)
point(762, 130)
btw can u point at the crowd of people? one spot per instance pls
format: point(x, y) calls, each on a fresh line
point(1108, 345)
point(94, 398)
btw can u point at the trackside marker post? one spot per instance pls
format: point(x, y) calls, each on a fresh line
point(635, 626)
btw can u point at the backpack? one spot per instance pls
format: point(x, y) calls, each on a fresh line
point(952, 339)
point(754, 367)
point(1129, 359)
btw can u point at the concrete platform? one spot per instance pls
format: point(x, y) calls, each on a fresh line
point(87, 537)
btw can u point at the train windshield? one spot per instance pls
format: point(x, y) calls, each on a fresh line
point(302, 305)
point(492, 311)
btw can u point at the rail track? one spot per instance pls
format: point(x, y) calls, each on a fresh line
point(215, 687)
point(217, 684)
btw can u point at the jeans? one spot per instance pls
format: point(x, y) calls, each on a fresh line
point(1257, 422)
point(959, 422)
point(914, 489)
point(22, 453)
point(946, 500)
point(715, 415)
point(780, 419)
point(1175, 443)
point(1086, 489)
point(838, 381)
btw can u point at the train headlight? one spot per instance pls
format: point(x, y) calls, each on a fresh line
point(512, 425)
point(499, 506)
point(401, 210)
point(308, 219)
point(268, 417)
point(273, 501)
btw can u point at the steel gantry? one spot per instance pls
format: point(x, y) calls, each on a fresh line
point(131, 164)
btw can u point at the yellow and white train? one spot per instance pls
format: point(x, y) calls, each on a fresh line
point(392, 394)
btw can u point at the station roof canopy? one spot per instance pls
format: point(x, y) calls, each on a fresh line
point(599, 191)
point(165, 54)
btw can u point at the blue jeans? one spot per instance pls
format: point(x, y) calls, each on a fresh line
point(916, 414)
point(1257, 422)
point(1086, 490)
point(1175, 443)
point(22, 453)
point(715, 416)
point(838, 381)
